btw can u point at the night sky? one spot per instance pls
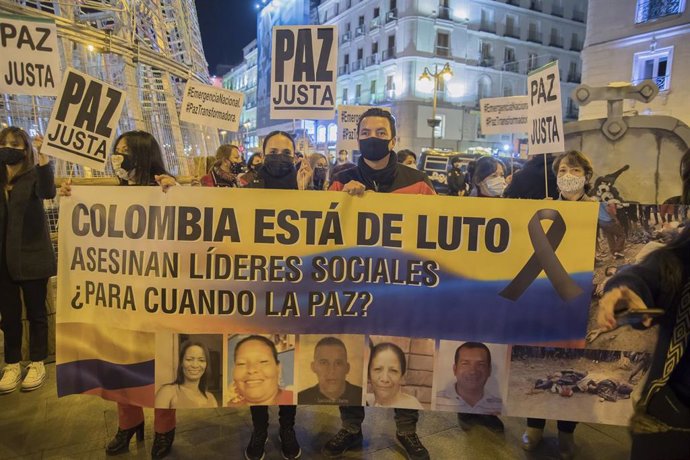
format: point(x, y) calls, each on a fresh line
point(226, 27)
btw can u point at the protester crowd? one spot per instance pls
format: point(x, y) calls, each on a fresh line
point(662, 280)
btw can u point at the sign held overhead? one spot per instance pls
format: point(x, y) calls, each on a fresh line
point(303, 72)
point(211, 106)
point(545, 114)
point(29, 57)
point(504, 115)
point(84, 120)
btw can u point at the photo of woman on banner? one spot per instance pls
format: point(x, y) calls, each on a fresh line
point(386, 373)
point(194, 374)
point(137, 160)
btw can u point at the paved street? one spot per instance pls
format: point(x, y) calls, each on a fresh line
point(38, 425)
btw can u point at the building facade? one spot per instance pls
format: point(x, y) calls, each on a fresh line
point(490, 46)
point(634, 40)
point(243, 78)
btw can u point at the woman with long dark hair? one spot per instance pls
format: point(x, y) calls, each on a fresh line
point(661, 424)
point(488, 178)
point(189, 389)
point(137, 160)
point(27, 259)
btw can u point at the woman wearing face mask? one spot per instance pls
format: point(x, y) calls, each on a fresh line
point(138, 160)
point(27, 259)
point(319, 164)
point(253, 165)
point(488, 178)
point(277, 172)
point(189, 388)
point(573, 172)
point(226, 169)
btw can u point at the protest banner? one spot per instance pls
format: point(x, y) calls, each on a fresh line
point(329, 270)
point(84, 120)
point(348, 117)
point(303, 72)
point(211, 106)
point(545, 113)
point(29, 57)
point(504, 115)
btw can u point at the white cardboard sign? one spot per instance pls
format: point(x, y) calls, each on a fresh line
point(211, 106)
point(545, 115)
point(29, 57)
point(304, 72)
point(84, 120)
point(504, 115)
point(348, 117)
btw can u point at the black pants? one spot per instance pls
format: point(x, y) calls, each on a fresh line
point(353, 416)
point(563, 425)
point(286, 417)
point(11, 311)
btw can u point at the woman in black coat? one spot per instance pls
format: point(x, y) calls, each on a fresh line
point(27, 259)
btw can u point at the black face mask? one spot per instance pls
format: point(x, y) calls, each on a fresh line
point(279, 165)
point(320, 175)
point(373, 148)
point(237, 168)
point(11, 156)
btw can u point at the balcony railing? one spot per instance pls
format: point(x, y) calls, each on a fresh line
point(444, 12)
point(486, 26)
point(534, 37)
point(375, 23)
point(392, 15)
point(342, 70)
point(663, 82)
point(576, 46)
point(654, 9)
point(513, 32)
point(574, 78)
point(556, 41)
point(511, 67)
point(442, 51)
point(373, 60)
point(387, 54)
point(358, 65)
point(344, 38)
point(486, 61)
point(359, 31)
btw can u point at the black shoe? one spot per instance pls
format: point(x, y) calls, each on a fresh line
point(414, 448)
point(342, 442)
point(493, 423)
point(120, 442)
point(162, 443)
point(289, 447)
point(257, 445)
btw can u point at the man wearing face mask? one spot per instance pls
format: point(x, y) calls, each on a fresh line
point(378, 170)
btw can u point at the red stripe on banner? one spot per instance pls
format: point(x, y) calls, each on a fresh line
point(137, 396)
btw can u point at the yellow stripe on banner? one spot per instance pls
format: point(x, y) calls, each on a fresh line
point(82, 341)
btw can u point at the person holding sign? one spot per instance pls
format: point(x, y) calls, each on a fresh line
point(27, 259)
point(386, 371)
point(378, 170)
point(189, 388)
point(277, 172)
point(138, 160)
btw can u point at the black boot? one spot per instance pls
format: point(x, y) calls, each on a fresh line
point(162, 443)
point(120, 442)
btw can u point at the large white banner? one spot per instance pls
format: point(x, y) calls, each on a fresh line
point(29, 58)
point(545, 115)
point(211, 106)
point(83, 123)
point(348, 117)
point(504, 115)
point(304, 72)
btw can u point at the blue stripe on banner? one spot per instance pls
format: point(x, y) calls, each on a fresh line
point(80, 376)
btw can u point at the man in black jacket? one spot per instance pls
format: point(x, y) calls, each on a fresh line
point(529, 181)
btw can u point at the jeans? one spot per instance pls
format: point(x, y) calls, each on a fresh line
point(563, 425)
point(353, 416)
point(286, 417)
point(35, 292)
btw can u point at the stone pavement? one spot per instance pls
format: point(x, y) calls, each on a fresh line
point(38, 425)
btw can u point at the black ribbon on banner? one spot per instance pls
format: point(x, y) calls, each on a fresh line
point(544, 258)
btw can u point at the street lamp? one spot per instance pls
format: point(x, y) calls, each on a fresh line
point(446, 73)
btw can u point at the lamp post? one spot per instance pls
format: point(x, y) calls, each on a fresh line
point(446, 73)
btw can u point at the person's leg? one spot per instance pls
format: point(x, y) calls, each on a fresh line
point(406, 420)
point(352, 418)
point(35, 292)
point(129, 416)
point(538, 423)
point(130, 422)
point(286, 416)
point(257, 442)
point(349, 436)
point(164, 420)
point(10, 316)
point(406, 434)
point(566, 426)
point(289, 445)
point(164, 427)
point(533, 433)
point(259, 417)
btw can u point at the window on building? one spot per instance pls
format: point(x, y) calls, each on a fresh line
point(486, 58)
point(557, 8)
point(483, 87)
point(509, 61)
point(575, 44)
point(534, 35)
point(487, 23)
point(393, 4)
point(358, 93)
point(532, 62)
point(344, 95)
point(347, 27)
point(442, 44)
point(377, 12)
point(332, 132)
point(390, 84)
point(573, 74)
point(346, 60)
point(372, 91)
point(360, 54)
point(648, 10)
point(360, 21)
point(374, 48)
point(654, 65)
point(321, 134)
point(511, 26)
